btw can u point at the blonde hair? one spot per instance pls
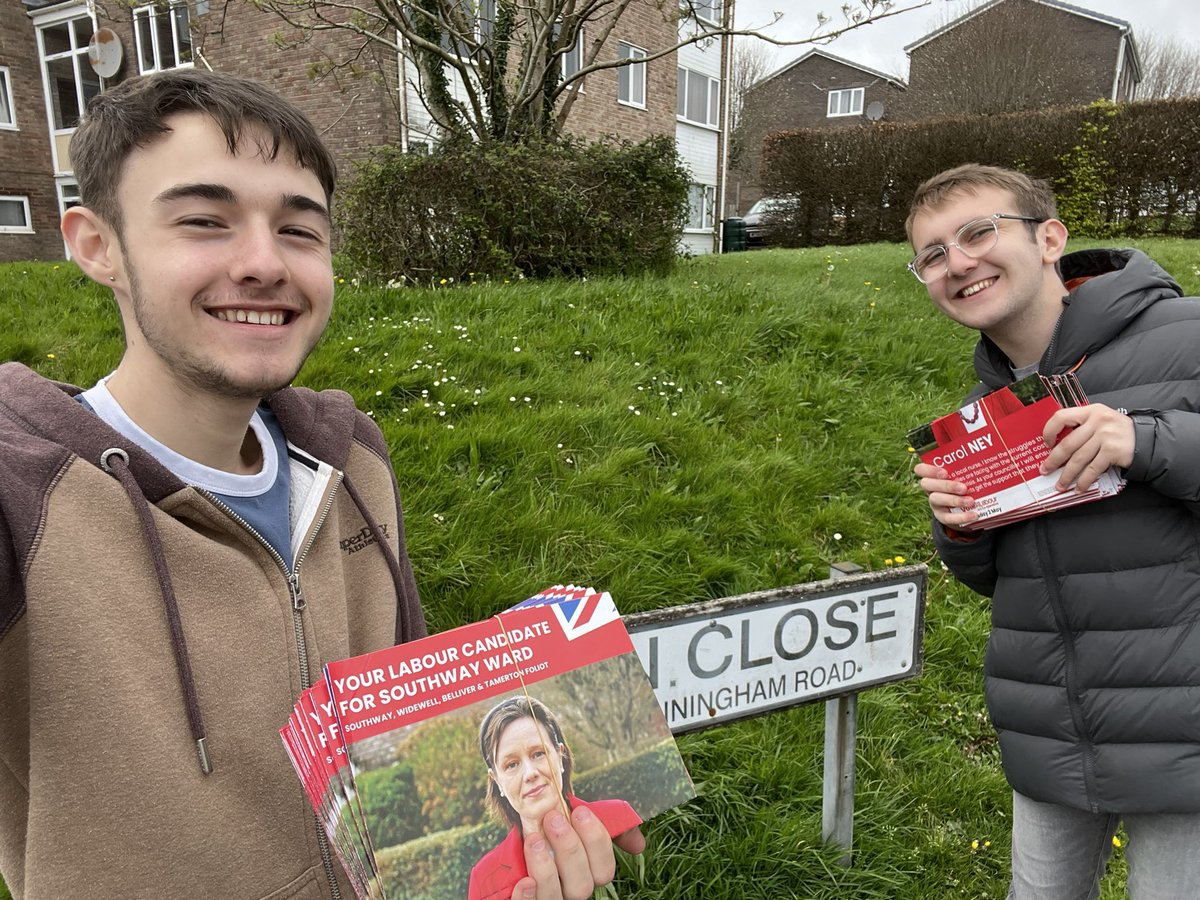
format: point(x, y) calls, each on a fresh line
point(1033, 196)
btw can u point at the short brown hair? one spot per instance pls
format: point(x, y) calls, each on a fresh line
point(1033, 196)
point(492, 727)
point(134, 113)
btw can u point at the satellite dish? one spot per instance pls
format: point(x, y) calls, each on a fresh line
point(875, 110)
point(105, 52)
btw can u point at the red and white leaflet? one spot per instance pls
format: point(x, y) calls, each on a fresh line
point(389, 688)
point(301, 753)
point(995, 447)
point(567, 647)
point(334, 769)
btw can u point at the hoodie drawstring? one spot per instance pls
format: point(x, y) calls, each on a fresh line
point(381, 542)
point(115, 461)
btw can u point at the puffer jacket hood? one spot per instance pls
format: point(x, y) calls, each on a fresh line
point(1114, 288)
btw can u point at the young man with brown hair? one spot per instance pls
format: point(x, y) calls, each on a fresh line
point(1092, 674)
point(171, 563)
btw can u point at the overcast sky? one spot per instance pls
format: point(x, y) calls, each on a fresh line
point(881, 44)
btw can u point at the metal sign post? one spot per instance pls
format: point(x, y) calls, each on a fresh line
point(841, 736)
point(743, 656)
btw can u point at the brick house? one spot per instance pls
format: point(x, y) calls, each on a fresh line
point(818, 90)
point(680, 93)
point(46, 79)
point(1003, 55)
point(29, 201)
point(989, 61)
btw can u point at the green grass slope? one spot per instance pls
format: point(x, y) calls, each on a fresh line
point(734, 427)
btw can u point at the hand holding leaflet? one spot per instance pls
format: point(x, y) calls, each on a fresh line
point(542, 714)
point(999, 448)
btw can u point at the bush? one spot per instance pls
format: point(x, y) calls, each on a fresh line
point(641, 777)
point(444, 758)
point(437, 866)
point(391, 804)
point(541, 210)
point(1118, 170)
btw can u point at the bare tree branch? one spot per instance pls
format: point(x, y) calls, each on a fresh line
point(493, 70)
point(1170, 68)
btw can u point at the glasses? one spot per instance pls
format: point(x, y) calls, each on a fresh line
point(974, 239)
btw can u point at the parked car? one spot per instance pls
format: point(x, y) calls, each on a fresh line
point(759, 219)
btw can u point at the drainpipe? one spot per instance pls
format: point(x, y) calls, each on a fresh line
point(1120, 63)
point(726, 105)
point(402, 72)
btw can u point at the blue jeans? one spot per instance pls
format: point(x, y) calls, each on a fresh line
point(1059, 853)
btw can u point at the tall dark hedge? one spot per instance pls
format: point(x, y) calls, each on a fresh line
point(1118, 170)
point(537, 210)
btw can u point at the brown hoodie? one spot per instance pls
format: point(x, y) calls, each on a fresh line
point(147, 636)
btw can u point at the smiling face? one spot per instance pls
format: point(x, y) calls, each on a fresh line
point(528, 769)
point(224, 280)
point(1012, 292)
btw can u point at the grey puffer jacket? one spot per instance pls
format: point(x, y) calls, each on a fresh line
point(1092, 675)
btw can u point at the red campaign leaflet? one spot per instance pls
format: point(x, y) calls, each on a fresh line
point(995, 447)
point(324, 803)
point(427, 762)
point(340, 813)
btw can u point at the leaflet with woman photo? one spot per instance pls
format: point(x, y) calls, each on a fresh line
point(440, 755)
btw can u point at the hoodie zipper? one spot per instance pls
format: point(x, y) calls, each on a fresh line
point(298, 604)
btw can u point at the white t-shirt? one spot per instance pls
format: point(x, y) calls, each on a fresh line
point(261, 499)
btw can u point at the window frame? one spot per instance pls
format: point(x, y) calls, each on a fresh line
point(855, 93)
point(712, 100)
point(698, 8)
point(483, 27)
point(625, 74)
point(150, 12)
point(68, 194)
point(6, 100)
point(62, 103)
point(27, 228)
point(572, 61)
point(708, 210)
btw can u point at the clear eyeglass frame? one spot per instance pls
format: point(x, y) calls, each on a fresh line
point(974, 239)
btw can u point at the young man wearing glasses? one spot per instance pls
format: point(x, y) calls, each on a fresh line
point(1092, 675)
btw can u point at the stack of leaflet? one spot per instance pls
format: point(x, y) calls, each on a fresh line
point(385, 743)
point(995, 447)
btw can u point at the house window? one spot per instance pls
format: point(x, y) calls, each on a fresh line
point(164, 37)
point(699, 98)
point(68, 195)
point(14, 215)
point(704, 10)
point(631, 79)
point(573, 61)
point(846, 103)
point(480, 15)
point(485, 20)
point(702, 201)
point(8, 118)
point(70, 81)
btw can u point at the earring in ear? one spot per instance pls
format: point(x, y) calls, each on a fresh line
point(112, 277)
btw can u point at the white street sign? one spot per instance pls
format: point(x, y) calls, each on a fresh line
point(741, 656)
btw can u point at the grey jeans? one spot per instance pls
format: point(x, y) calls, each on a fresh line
point(1060, 853)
